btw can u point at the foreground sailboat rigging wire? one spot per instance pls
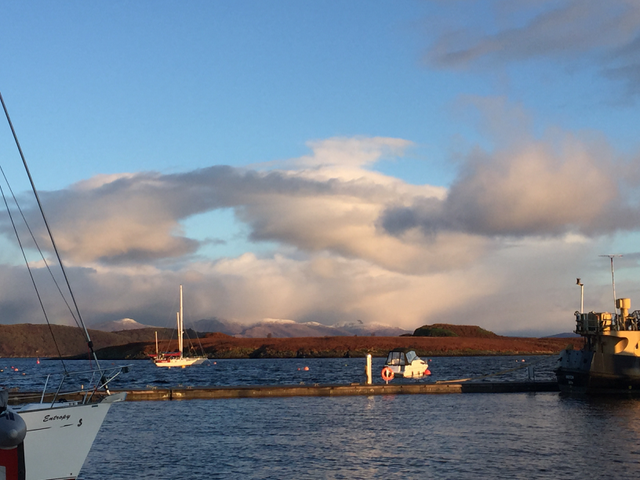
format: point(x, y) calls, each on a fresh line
point(50, 437)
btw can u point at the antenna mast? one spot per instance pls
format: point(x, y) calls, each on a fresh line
point(581, 285)
point(613, 281)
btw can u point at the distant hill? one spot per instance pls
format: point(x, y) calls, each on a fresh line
point(564, 335)
point(217, 325)
point(35, 340)
point(372, 330)
point(447, 330)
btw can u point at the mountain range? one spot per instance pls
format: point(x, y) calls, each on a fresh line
point(269, 328)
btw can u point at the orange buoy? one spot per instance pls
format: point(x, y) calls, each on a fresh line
point(427, 372)
point(387, 374)
point(306, 369)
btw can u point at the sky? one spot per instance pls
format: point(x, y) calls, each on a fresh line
point(398, 163)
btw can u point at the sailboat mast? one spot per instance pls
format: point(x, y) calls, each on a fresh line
point(180, 324)
point(179, 333)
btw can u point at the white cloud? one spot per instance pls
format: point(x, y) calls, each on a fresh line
point(351, 243)
point(562, 183)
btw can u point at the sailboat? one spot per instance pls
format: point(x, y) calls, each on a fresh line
point(176, 359)
point(49, 438)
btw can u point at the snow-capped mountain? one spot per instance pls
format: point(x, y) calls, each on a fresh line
point(118, 325)
point(269, 327)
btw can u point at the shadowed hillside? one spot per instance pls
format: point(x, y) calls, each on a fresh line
point(217, 345)
point(29, 340)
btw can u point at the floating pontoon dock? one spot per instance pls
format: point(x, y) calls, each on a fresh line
point(261, 391)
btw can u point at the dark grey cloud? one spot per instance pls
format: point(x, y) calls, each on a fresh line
point(577, 33)
point(424, 213)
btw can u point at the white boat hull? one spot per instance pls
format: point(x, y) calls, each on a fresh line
point(59, 438)
point(179, 362)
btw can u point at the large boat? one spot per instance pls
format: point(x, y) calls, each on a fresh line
point(609, 362)
point(58, 431)
point(49, 437)
point(176, 359)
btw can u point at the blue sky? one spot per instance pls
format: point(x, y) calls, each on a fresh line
point(403, 163)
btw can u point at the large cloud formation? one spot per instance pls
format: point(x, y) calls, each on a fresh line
point(328, 203)
point(553, 188)
point(500, 247)
point(351, 243)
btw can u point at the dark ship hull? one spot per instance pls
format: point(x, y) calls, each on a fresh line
point(593, 372)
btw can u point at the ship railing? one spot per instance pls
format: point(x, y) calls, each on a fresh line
point(83, 386)
point(628, 323)
point(632, 322)
point(594, 323)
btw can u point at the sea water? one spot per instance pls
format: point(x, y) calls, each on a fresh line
point(508, 436)
point(528, 435)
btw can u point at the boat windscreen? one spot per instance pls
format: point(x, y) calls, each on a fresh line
point(395, 358)
point(411, 356)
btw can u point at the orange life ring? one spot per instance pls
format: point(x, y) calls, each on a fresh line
point(387, 374)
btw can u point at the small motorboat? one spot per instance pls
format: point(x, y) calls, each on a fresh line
point(405, 363)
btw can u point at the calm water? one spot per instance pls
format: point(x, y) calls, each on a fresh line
point(144, 374)
point(542, 435)
point(405, 436)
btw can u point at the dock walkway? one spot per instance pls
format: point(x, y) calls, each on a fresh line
point(261, 391)
point(338, 390)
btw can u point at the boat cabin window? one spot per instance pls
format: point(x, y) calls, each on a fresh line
point(411, 356)
point(395, 358)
